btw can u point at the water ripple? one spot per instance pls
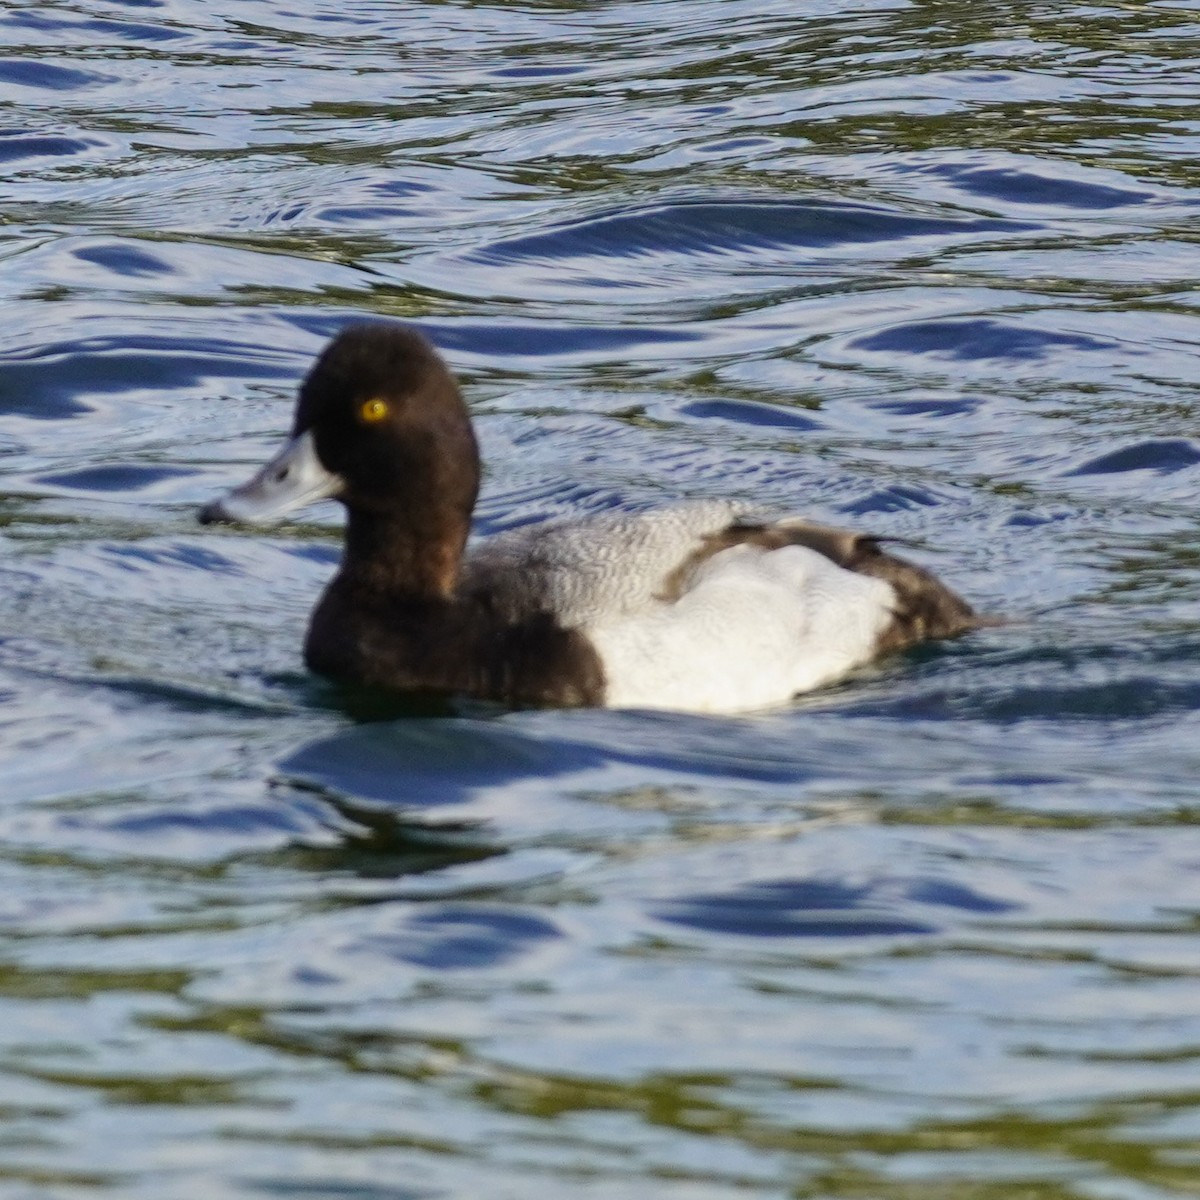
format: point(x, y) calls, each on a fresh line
point(931, 932)
point(828, 908)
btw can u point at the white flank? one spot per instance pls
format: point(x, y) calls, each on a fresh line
point(755, 628)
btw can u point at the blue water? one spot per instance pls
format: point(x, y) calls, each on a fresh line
point(926, 270)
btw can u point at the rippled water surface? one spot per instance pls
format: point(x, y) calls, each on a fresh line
point(930, 270)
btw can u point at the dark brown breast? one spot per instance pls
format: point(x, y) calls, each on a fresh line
point(462, 646)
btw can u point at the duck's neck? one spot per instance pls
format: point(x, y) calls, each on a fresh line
point(405, 556)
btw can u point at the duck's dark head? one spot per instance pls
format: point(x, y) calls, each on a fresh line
point(380, 425)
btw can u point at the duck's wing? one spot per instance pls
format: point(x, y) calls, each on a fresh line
point(608, 565)
point(923, 607)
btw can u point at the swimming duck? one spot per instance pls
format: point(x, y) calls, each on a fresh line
point(704, 606)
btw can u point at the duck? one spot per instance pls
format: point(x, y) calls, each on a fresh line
point(703, 606)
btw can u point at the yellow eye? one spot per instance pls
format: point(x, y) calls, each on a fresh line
point(373, 410)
